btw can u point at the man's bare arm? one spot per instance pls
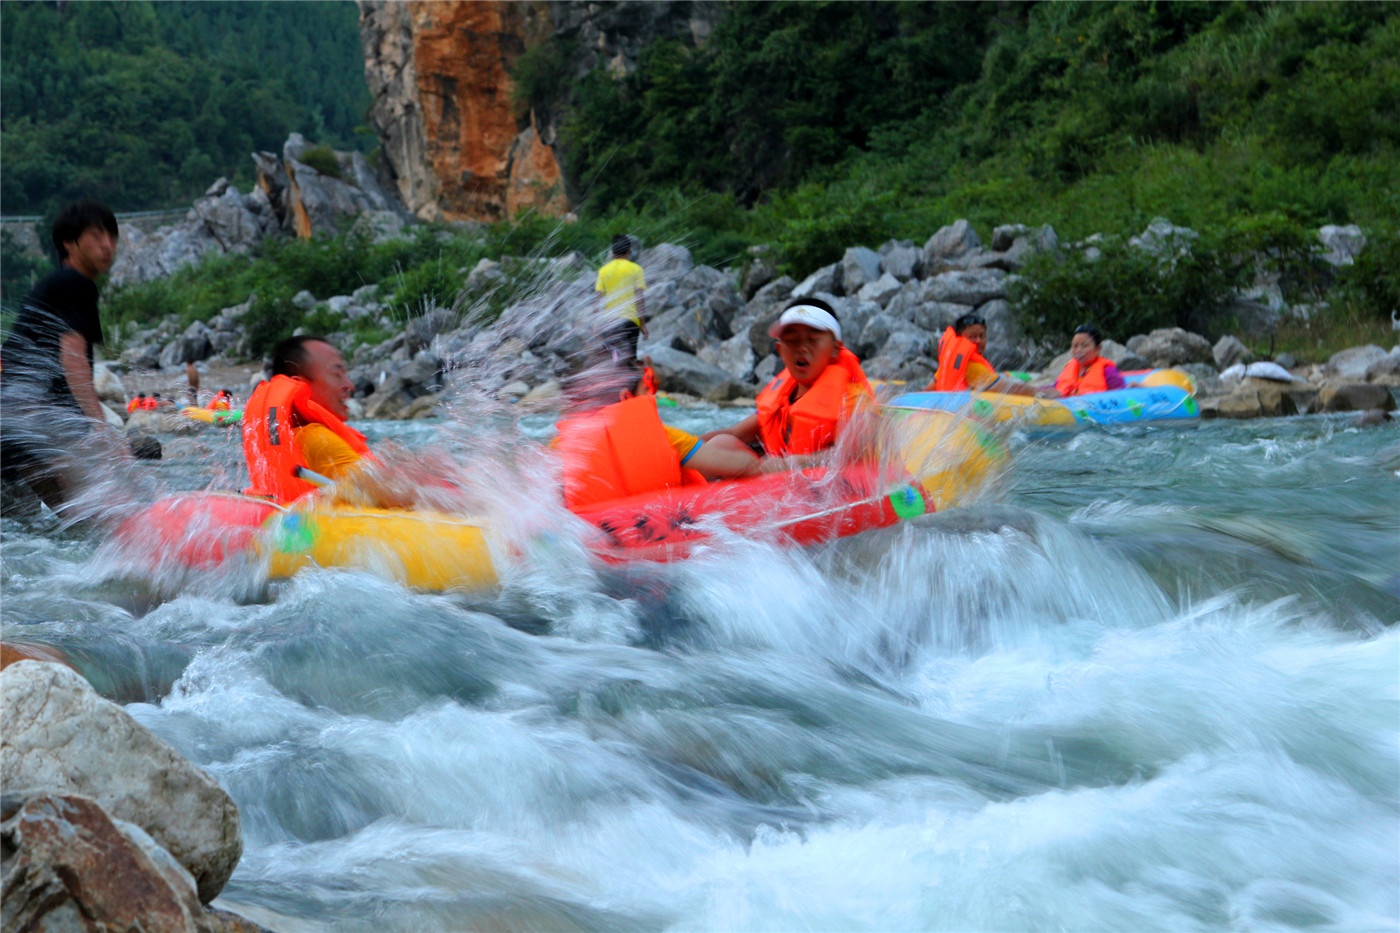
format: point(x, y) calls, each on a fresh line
point(72, 355)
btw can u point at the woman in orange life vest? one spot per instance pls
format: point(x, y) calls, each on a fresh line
point(137, 402)
point(220, 401)
point(803, 408)
point(297, 419)
point(609, 450)
point(1087, 372)
point(962, 365)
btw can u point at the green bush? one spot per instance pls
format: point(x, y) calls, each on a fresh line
point(1371, 286)
point(1126, 290)
point(322, 159)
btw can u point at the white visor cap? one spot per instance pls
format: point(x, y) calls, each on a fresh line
point(810, 315)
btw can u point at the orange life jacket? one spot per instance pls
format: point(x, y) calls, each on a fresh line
point(619, 450)
point(809, 424)
point(955, 354)
point(150, 404)
point(274, 410)
point(1072, 382)
point(133, 405)
point(649, 385)
point(218, 403)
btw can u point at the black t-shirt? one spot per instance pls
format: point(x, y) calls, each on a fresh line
point(64, 301)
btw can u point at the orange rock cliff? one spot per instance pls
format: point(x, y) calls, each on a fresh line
point(455, 143)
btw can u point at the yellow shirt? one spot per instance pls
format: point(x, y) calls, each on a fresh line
point(325, 452)
point(619, 281)
point(980, 377)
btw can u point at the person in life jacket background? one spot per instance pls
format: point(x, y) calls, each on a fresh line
point(1087, 372)
point(612, 443)
point(962, 365)
point(220, 401)
point(804, 408)
point(296, 421)
point(136, 403)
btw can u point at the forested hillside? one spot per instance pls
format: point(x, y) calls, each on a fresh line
point(853, 122)
point(143, 104)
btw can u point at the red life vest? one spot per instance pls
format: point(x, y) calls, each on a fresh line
point(619, 450)
point(133, 404)
point(274, 410)
point(809, 424)
point(1072, 382)
point(149, 404)
point(954, 356)
point(649, 385)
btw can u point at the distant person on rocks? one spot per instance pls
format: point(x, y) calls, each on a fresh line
point(135, 403)
point(192, 376)
point(1087, 372)
point(962, 365)
point(805, 407)
point(53, 427)
point(623, 289)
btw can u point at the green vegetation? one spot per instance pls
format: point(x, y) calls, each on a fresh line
point(142, 104)
point(835, 118)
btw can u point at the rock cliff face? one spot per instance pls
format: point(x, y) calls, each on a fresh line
point(439, 71)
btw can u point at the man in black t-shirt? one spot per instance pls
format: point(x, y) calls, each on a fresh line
point(49, 406)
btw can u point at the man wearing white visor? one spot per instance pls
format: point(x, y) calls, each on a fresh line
point(801, 411)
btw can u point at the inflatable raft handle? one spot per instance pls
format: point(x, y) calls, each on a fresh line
point(314, 478)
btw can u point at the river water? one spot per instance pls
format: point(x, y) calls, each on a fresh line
point(1150, 682)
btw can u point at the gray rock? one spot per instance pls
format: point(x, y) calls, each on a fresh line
point(1163, 239)
point(1351, 364)
point(682, 372)
point(108, 386)
point(1385, 370)
point(1172, 346)
point(1343, 244)
point(61, 736)
point(71, 866)
point(1030, 242)
point(1286, 360)
point(735, 356)
point(1354, 397)
point(761, 270)
point(939, 315)
point(143, 446)
point(859, 266)
point(1228, 351)
point(389, 404)
point(1204, 376)
point(765, 369)
point(951, 242)
point(881, 290)
point(901, 259)
point(380, 226)
point(665, 262)
point(1254, 318)
point(1251, 401)
point(304, 300)
point(778, 290)
point(185, 349)
point(338, 304)
point(967, 288)
point(365, 294)
point(1004, 335)
point(826, 279)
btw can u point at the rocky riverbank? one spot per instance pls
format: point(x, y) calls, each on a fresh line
point(104, 825)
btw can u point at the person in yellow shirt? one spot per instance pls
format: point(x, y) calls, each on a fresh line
point(623, 287)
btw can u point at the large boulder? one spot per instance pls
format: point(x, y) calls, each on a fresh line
point(901, 259)
point(973, 287)
point(735, 356)
point(939, 315)
point(953, 242)
point(108, 386)
point(682, 372)
point(826, 279)
point(1342, 244)
point(70, 866)
point(1253, 401)
point(1229, 350)
point(881, 290)
point(1385, 370)
point(665, 262)
point(59, 735)
point(859, 266)
point(1172, 346)
point(1354, 397)
point(1351, 364)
